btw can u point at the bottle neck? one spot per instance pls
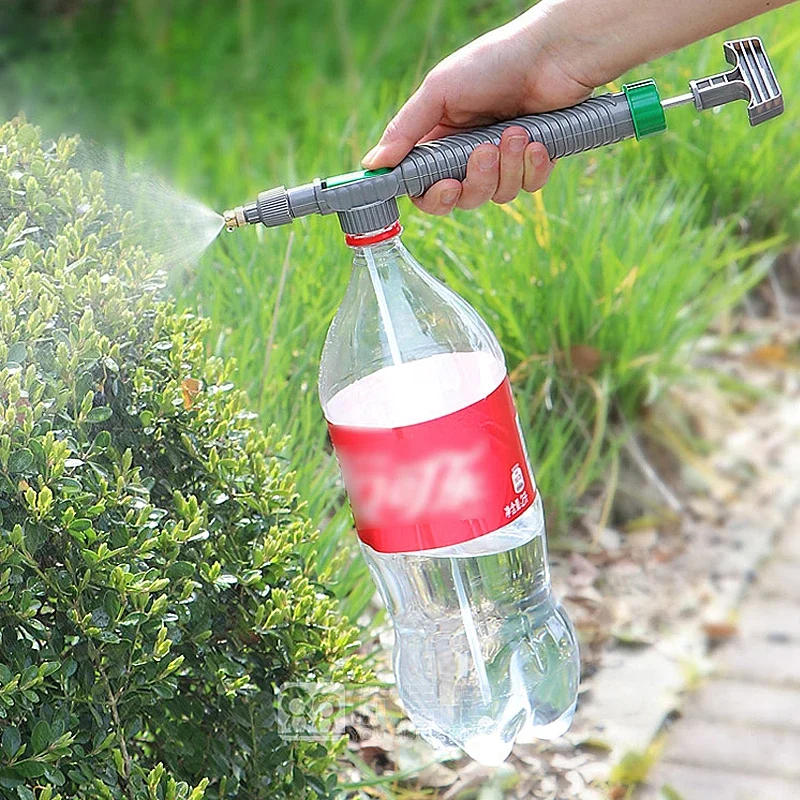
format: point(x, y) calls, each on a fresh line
point(384, 251)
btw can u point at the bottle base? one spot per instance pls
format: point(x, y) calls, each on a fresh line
point(487, 750)
point(491, 750)
point(550, 730)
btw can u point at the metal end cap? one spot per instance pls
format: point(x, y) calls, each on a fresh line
point(366, 219)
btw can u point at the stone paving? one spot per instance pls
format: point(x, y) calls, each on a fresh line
point(738, 737)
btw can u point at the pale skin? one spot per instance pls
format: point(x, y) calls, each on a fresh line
point(550, 57)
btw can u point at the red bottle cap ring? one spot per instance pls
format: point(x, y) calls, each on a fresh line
point(364, 239)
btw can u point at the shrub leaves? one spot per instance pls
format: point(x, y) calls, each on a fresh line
point(152, 591)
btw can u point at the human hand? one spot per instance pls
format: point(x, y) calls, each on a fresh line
point(509, 72)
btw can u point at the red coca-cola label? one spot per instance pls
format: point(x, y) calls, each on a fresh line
point(440, 482)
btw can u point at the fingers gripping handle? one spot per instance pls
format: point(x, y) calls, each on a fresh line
point(593, 123)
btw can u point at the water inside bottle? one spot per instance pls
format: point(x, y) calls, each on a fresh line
point(483, 657)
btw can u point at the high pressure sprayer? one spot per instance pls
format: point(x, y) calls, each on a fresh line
point(414, 388)
point(364, 200)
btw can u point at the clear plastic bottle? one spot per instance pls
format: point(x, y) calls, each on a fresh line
point(414, 387)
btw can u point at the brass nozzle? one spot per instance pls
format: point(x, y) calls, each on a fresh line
point(234, 218)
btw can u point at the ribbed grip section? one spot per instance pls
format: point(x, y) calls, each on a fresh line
point(273, 207)
point(593, 123)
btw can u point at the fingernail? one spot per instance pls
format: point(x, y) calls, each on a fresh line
point(516, 144)
point(487, 159)
point(448, 197)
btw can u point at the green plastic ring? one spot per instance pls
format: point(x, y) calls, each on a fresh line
point(645, 105)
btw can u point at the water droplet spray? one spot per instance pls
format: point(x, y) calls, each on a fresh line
point(167, 222)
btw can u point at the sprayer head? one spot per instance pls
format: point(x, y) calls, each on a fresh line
point(234, 218)
point(272, 208)
point(752, 78)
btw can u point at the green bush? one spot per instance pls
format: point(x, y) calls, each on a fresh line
point(152, 598)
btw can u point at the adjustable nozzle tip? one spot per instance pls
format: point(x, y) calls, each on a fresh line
point(234, 218)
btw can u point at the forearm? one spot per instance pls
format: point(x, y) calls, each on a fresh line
point(601, 39)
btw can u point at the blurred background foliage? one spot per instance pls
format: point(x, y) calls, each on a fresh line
point(597, 287)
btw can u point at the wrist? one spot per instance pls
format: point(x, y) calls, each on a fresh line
point(580, 38)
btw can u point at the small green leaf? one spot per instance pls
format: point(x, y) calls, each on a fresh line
point(55, 776)
point(17, 353)
point(49, 668)
point(99, 414)
point(198, 793)
point(316, 784)
point(8, 779)
point(118, 761)
point(40, 737)
point(20, 460)
point(101, 441)
point(25, 793)
point(10, 741)
point(181, 569)
point(30, 769)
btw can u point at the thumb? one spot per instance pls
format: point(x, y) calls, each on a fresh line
point(417, 117)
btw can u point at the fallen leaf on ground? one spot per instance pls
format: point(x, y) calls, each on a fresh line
point(560, 761)
point(768, 354)
point(437, 776)
point(720, 630)
point(547, 786)
point(473, 775)
point(642, 538)
point(377, 752)
point(594, 771)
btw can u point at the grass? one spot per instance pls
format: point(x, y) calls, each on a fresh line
point(596, 309)
point(596, 288)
